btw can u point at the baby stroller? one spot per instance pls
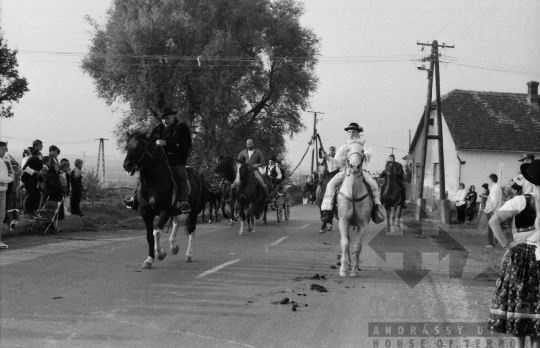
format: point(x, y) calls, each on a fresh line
point(47, 220)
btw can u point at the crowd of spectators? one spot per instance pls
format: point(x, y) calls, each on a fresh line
point(42, 179)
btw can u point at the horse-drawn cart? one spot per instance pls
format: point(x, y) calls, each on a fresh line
point(281, 203)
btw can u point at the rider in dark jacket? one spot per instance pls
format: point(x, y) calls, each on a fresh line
point(399, 175)
point(175, 139)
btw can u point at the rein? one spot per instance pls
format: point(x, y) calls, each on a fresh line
point(144, 155)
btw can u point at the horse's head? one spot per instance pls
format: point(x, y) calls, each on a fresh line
point(241, 170)
point(389, 168)
point(322, 171)
point(355, 158)
point(226, 167)
point(137, 148)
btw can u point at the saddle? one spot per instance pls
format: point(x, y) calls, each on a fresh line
point(376, 215)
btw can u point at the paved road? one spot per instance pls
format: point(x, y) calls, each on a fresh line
point(86, 289)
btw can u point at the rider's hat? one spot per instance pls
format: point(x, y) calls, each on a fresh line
point(354, 126)
point(273, 158)
point(531, 172)
point(526, 156)
point(168, 111)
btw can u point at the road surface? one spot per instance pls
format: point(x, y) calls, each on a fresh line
point(86, 289)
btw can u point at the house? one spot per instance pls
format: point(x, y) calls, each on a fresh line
point(483, 133)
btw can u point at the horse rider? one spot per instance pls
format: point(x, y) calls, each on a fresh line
point(273, 171)
point(356, 135)
point(254, 159)
point(174, 138)
point(399, 174)
point(332, 166)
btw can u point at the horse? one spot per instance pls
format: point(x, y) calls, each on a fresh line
point(250, 196)
point(391, 196)
point(309, 190)
point(156, 197)
point(226, 169)
point(323, 179)
point(213, 197)
point(354, 208)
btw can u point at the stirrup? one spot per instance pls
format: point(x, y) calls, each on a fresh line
point(185, 207)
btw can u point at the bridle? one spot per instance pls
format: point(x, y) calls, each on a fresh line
point(361, 154)
point(145, 152)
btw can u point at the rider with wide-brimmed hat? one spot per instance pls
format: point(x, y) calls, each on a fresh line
point(175, 139)
point(355, 135)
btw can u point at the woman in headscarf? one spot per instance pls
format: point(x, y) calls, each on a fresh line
point(515, 307)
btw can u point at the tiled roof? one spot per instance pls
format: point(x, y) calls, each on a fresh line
point(490, 121)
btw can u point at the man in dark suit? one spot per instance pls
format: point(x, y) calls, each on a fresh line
point(399, 176)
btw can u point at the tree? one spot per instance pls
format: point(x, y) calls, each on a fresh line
point(235, 69)
point(12, 87)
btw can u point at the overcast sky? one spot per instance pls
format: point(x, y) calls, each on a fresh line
point(367, 70)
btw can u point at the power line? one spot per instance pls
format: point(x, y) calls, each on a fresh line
point(476, 20)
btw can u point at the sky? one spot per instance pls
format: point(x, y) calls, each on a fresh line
point(367, 70)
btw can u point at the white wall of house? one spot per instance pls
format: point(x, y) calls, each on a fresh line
point(479, 164)
point(451, 161)
point(475, 171)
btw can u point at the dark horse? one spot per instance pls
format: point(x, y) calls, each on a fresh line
point(323, 178)
point(213, 198)
point(391, 197)
point(309, 189)
point(249, 195)
point(156, 197)
point(226, 169)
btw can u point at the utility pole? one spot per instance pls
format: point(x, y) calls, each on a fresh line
point(392, 148)
point(314, 151)
point(434, 65)
point(101, 155)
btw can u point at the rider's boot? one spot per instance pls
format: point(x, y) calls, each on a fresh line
point(403, 198)
point(131, 203)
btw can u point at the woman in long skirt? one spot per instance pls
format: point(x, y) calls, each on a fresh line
point(515, 308)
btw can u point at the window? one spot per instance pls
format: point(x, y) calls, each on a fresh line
point(431, 121)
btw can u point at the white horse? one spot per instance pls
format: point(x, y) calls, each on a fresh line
point(354, 209)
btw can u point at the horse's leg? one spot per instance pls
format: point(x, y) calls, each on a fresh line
point(172, 238)
point(163, 218)
point(216, 209)
point(149, 223)
point(345, 257)
point(190, 230)
point(265, 209)
point(211, 210)
point(242, 214)
point(360, 232)
point(388, 214)
point(399, 226)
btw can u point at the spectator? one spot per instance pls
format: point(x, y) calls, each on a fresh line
point(32, 183)
point(55, 191)
point(5, 179)
point(493, 203)
point(76, 188)
point(461, 203)
point(520, 184)
point(12, 213)
point(65, 172)
point(515, 306)
point(471, 203)
point(482, 216)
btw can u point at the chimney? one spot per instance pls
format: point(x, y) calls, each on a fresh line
point(532, 92)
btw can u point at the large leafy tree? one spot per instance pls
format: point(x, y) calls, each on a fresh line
point(236, 69)
point(12, 86)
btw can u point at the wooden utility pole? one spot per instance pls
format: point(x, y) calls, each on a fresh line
point(101, 156)
point(434, 65)
point(314, 151)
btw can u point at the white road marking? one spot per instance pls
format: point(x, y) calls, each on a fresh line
point(279, 241)
point(217, 268)
point(306, 225)
point(8, 257)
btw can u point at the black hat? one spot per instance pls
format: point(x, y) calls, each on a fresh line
point(168, 111)
point(531, 172)
point(354, 126)
point(526, 156)
point(485, 185)
point(273, 158)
